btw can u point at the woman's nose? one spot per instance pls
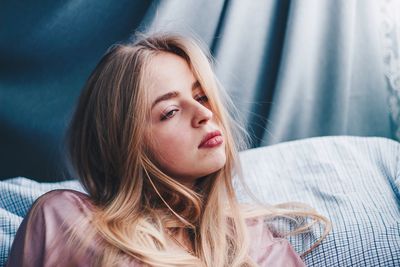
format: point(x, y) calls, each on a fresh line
point(201, 115)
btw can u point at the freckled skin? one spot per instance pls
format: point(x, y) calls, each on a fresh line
point(179, 124)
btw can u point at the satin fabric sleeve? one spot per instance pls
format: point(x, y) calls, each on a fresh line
point(42, 238)
point(268, 250)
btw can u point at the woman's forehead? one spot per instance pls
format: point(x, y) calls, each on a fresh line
point(168, 73)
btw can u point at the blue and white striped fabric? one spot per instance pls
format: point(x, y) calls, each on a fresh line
point(354, 181)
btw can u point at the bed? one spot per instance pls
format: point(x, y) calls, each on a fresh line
point(354, 181)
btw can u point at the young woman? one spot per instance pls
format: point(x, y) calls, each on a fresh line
point(153, 146)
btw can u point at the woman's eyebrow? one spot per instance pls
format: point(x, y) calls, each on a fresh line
point(164, 97)
point(173, 94)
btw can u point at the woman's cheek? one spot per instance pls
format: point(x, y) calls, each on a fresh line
point(166, 143)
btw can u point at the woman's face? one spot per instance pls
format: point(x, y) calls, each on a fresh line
point(186, 141)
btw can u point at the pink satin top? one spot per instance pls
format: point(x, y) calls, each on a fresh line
point(55, 211)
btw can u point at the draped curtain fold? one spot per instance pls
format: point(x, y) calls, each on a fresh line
point(299, 69)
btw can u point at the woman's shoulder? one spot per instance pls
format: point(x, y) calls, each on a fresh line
point(42, 236)
point(61, 202)
point(63, 195)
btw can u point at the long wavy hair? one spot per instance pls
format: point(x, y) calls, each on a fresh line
point(134, 201)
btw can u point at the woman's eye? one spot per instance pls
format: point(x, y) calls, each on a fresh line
point(202, 99)
point(168, 115)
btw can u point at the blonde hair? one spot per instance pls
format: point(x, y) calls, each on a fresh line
point(134, 201)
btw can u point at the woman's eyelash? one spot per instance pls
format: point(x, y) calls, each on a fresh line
point(202, 99)
point(169, 114)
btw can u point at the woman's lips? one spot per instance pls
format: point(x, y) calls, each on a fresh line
point(212, 139)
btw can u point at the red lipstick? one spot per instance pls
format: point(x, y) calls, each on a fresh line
point(212, 139)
